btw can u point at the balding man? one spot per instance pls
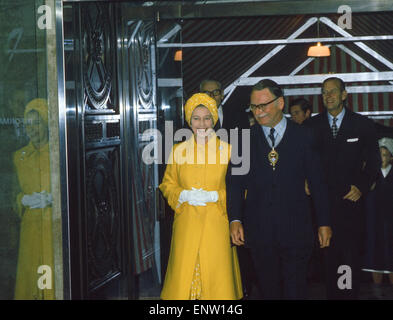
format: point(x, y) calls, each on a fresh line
point(348, 147)
point(276, 221)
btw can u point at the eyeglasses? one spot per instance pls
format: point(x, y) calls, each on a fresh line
point(261, 106)
point(213, 93)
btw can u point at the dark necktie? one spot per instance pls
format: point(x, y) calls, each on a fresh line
point(334, 128)
point(271, 136)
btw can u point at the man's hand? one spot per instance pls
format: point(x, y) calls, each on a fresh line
point(354, 194)
point(237, 233)
point(324, 235)
point(306, 188)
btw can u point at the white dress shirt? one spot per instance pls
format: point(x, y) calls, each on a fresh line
point(279, 130)
point(385, 171)
point(339, 117)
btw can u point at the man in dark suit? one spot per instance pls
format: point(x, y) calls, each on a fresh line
point(348, 146)
point(229, 117)
point(276, 221)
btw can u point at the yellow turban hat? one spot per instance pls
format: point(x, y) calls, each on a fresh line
point(201, 99)
point(39, 105)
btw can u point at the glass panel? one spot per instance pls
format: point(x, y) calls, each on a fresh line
point(27, 249)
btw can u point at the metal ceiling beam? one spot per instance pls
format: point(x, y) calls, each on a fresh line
point(200, 9)
point(169, 34)
point(381, 115)
point(229, 89)
point(274, 42)
point(378, 114)
point(361, 45)
point(347, 51)
point(357, 57)
point(246, 80)
point(197, 10)
point(349, 89)
point(319, 78)
point(303, 65)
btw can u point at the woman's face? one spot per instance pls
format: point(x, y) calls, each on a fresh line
point(36, 128)
point(201, 120)
point(386, 157)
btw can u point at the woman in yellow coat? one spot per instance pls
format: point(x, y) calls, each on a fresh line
point(34, 277)
point(201, 264)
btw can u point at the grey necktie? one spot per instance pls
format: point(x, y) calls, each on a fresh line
point(334, 128)
point(271, 136)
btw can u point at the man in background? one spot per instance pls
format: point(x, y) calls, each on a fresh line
point(348, 147)
point(300, 110)
point(229, 117)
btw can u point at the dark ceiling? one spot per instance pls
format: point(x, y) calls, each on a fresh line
point(227, 63)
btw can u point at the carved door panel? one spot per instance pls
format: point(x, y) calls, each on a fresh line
point(139, 71)
point(98, 236)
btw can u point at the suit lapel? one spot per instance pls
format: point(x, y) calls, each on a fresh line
point(225, 117)
point(263, 144)
point(286, 135)
point(325, 127)
point(345, 125)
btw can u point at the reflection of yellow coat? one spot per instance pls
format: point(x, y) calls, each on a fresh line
point(35, 246)
point(198, 229)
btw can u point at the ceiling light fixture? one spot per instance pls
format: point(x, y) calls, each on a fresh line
point(178, 55)
point(318, 50)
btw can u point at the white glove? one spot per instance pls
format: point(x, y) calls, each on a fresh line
point(205, 196)
point(37, 200)
point(210, 196)
point(198, 197)
point(197, 203)
point(191, 197)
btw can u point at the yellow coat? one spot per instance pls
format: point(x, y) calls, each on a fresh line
point(35, 245)
point(199, 229)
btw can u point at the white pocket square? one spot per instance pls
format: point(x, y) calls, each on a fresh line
point(353, 140)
